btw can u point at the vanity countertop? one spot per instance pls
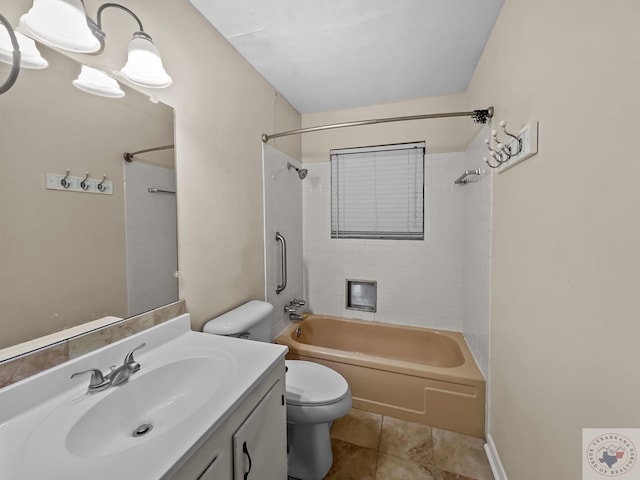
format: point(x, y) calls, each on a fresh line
point(188, 384)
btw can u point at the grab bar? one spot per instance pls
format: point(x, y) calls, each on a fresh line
point(159, 190)
point(463, 178)
point(283, 251)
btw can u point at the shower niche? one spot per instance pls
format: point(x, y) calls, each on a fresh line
point(361, 295)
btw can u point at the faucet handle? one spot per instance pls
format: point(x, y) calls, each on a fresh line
point(97, 382)
point(130, 361)
point(299, 303)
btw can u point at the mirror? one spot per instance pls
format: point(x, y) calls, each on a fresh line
point(70, 257)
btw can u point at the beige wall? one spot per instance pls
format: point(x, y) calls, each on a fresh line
point(222, 107)
point(565, 303)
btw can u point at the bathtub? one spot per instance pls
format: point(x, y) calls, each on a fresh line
point(416, 374)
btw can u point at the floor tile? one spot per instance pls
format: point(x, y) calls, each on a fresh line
point(460, 454)
point(408, 440)
point(358, 427)
point(351, 462)
point(394, 468)
point(440, 475)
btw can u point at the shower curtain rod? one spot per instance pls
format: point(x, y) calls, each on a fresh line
point(479, 116)
point(128, 156)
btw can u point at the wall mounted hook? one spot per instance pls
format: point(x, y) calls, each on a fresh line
point(83, 184)
point(101, 186)
point(513, 149)
point(515, 146)
point(64, 181)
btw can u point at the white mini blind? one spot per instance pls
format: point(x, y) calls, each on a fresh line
point(378, 192)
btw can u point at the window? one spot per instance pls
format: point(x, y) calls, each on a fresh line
point(378, 192)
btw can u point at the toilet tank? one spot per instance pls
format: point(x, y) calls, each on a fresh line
point(251, 321)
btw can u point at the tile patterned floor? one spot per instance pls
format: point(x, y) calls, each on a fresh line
point(369, 446)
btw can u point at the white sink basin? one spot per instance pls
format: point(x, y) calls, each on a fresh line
point(188, 384)
point(151, 403)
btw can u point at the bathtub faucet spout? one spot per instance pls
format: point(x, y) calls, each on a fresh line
point(294, 317)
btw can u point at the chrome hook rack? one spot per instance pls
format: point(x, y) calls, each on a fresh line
point(504, 153)
point(84, 184)
point(505, 150)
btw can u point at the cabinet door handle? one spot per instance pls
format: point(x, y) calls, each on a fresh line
point(245, 450)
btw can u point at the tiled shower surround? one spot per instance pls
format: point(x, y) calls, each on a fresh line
point(420, 283)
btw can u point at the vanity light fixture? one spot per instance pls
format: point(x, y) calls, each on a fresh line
point(30, 55)
point(64, 24)
point(97, 82)
point(15, 56)
point(60, 24)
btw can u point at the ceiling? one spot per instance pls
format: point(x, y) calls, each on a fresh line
point(327, 55)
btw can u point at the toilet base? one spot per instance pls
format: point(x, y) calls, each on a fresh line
point(310, 456)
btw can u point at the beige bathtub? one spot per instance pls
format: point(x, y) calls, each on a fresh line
point(415, 374)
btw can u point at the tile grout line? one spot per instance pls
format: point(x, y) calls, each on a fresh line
point(375, 469)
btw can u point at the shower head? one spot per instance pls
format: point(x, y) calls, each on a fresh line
point(302, 172)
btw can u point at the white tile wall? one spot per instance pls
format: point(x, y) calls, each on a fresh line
point(152, 247)
point(419, 282)
point(477, 254)
point(283, 213)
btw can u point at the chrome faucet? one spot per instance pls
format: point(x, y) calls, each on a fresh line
point(293, 305)
point(97, 383)
point(116, 376)
point(295, 317)
point(121, 374)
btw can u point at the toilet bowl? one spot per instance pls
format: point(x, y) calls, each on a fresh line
point(315, 394)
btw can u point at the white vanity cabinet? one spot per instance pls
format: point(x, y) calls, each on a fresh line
point(251, 444)
point(258, 443)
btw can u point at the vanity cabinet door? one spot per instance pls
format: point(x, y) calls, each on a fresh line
point(212, 461)
point(218, 470)
point(260, 444)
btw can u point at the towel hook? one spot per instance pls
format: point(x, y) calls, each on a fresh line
point(101, 187)
point(504, 151)
point(502, 154)
point(488, 162)
point(518, 140)
point(64, 182)
point(83, 184)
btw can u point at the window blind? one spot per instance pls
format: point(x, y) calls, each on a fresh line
point(378, 192)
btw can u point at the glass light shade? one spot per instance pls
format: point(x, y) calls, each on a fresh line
point(96, 82)
point(144, 65)
point(60, 24)
point(30, 56)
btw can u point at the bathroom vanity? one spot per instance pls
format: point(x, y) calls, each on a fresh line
point(245, 443)
point(200, 407)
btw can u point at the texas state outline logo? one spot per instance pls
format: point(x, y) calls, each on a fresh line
point(610, 453)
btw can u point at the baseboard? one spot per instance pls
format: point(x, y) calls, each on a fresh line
point(494, 459)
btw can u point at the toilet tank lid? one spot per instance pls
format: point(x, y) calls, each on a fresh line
point(240, 319)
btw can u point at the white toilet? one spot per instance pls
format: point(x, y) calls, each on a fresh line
point(315, 394)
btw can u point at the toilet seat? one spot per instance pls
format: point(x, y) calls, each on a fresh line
point(312, 384)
